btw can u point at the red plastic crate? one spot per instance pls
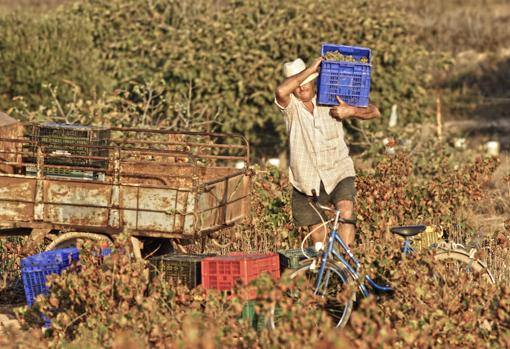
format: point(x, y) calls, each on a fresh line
point(222, 272)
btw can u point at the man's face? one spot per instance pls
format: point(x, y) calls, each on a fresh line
point(306, 92)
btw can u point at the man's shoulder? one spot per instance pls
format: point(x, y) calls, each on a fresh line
point(290, 107)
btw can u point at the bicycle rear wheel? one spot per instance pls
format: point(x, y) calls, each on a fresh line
point(459, 262)
point(335, 280)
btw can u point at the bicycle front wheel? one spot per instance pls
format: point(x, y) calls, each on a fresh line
point(334, 281)
point(459, 262)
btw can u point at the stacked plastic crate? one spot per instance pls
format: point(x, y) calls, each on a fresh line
point(222, 273)
point(35, 269)
point(78, 151)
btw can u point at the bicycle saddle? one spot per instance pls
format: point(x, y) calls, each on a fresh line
point(408, 230)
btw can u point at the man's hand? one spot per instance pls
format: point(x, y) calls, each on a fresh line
point(314, 67)
point(343, 111)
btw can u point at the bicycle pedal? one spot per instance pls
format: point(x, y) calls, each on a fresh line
point(313, 266)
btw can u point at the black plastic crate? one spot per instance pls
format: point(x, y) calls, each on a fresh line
point(184, 269)
point(289, 259)
point(64, 144)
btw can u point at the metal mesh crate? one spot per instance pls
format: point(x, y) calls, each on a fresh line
point(177, 269)
point(64, 144)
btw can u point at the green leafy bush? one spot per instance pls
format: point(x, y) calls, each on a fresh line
point(110, 305)
point(222, 59)
point(55, 49)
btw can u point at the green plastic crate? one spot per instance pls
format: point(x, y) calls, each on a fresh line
point(258, 321)
point(249, 313)
point(65, 173)
point(290, 259)
point(262, 322)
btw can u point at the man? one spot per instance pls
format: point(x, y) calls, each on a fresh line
point(319, 157)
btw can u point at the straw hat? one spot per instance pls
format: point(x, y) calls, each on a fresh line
point(296, 67)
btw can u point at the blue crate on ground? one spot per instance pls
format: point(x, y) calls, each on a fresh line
point(106, 251)
point(34, 270)
point(348, 80)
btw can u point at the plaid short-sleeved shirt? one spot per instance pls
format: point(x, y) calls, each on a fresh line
point(317, 147)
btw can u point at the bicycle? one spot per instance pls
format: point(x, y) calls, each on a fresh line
point(332, 271)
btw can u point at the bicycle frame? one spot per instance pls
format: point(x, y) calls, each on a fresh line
point(352, 269)
point(351, 265)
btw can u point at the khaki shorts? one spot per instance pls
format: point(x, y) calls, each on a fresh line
point(305, 215)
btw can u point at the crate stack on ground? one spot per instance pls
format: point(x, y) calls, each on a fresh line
point(222, 273)
point(35, 269)
point(350, 80)
point(70, 151)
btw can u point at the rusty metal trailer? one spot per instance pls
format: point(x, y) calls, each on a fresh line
point(150, 183)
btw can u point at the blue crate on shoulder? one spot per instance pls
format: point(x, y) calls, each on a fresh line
point(290, 259)
point(34, 270)
point(348, 80)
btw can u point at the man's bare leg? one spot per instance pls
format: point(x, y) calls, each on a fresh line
point(320, 232)
point(347, 231)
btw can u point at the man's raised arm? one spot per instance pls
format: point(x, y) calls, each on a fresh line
point(284, 90)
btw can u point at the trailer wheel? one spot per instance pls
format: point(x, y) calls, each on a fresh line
point(70, 240)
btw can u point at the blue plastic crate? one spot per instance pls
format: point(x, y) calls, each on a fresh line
point(34, 270)
point(106, 251)
point(348, 80)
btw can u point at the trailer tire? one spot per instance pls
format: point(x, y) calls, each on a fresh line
point(69, 239)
